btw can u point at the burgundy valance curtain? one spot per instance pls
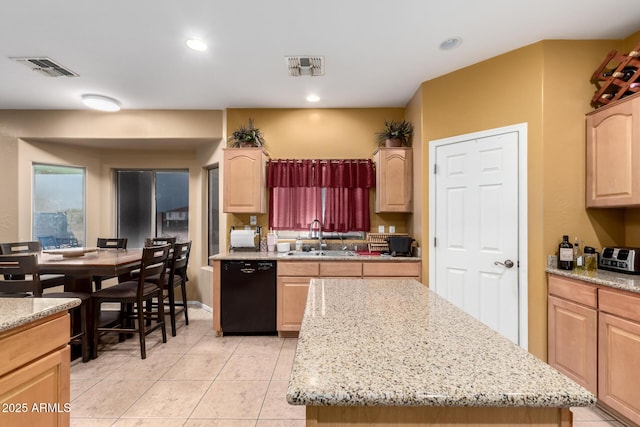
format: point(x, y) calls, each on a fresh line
point(333, 191)
point(321, 173)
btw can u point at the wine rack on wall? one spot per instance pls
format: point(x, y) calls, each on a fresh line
point(618, 76)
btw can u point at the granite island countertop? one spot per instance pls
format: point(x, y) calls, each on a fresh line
point(397, 343)
point(19, 311)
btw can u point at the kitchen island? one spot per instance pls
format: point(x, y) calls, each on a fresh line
point(379, 352)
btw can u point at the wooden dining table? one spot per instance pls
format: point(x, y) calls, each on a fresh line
point(79, 270)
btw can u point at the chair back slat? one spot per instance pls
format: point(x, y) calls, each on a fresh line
point(20, 247)
point(154, 263)
point(20, 275)
point(112, 242)
point(159, 241)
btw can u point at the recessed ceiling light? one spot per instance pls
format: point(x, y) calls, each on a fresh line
point(451, 43)
point(313, 98)
point(197, 45)
point(102, 103)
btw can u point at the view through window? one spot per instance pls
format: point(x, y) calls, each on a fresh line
point(152, 203)
point(58, 205)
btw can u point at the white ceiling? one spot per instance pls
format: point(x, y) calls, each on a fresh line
point(377, 52)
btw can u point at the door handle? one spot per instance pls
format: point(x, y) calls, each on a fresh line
point(248, 270)
point(508, 263)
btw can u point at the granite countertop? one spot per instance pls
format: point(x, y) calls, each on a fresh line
point(19, 311)
point(611, 279)
point(307, 256)
point(397, 343)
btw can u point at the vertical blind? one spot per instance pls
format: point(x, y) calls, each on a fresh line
point(333, 191)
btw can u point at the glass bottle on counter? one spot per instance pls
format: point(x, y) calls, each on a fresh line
point(565, 254)
point(578, 260)
point(590, 259)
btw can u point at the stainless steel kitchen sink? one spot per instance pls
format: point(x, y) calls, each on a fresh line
point(322, 253)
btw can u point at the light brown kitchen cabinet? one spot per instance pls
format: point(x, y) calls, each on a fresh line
point(244, 185)
point(394, 179)
point(35, 373)
point(573, 330)
point(613, 155)
point(292, 289)
point(392, 270)
point(619, 352)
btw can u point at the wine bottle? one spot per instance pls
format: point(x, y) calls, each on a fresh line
point(565, 254)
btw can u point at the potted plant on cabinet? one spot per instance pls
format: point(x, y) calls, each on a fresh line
point(246, 136)
point(396, 133)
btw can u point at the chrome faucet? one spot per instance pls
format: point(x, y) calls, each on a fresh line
point(319, 232)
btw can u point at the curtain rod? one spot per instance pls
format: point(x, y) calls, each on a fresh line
point(320, 160)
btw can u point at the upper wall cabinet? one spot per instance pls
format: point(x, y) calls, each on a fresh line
point(613, 155)
point(244, 180)
point(394, 179)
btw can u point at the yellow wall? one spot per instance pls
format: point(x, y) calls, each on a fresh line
point(319, 134)
point(546, 85)
point(53, 137)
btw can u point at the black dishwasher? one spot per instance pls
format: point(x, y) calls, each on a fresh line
point(248, 297)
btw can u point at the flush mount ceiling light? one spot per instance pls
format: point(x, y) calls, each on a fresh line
point(197, 45)
point(451, 43)
point(102, 103)
point(313, 98)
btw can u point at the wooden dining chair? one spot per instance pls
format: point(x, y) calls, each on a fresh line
point(108, 243)
point(159, 241)
point(46, 280)
point(177, 278)
point(22, 279)
point(135, 298)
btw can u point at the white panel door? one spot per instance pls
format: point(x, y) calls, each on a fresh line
point(476, 225)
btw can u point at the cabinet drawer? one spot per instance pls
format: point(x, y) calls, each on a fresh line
point(573, 290)
point(391, 269)
point(298, 269)
point(620, 304)
point(340, 269)
point(32, 342)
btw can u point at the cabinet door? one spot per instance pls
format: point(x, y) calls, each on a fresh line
point(394, 179)
point(573, 341)
point(619, 367)
point(244, 181)
point(43, 383)
point(292, 298)
point(613, 157)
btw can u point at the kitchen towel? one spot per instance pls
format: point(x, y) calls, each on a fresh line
point(243, 239)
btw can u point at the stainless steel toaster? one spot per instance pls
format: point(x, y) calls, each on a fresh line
point(620, 259)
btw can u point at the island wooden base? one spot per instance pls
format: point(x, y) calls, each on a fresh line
point(361, 416)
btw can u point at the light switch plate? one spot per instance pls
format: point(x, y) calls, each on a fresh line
point(253, 220)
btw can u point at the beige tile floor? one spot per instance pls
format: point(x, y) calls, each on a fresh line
point(195, 379)
point(199, 380)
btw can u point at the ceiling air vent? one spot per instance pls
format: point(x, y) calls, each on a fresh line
point(46, 66)
point(305, 65)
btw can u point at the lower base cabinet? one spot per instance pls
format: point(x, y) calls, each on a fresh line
point(573, 330)
point(35, 374)
point(619, 354)
point(292, 296)
point(586, 321)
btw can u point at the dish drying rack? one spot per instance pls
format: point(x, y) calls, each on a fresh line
point(618, 82)
point(377, 242)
